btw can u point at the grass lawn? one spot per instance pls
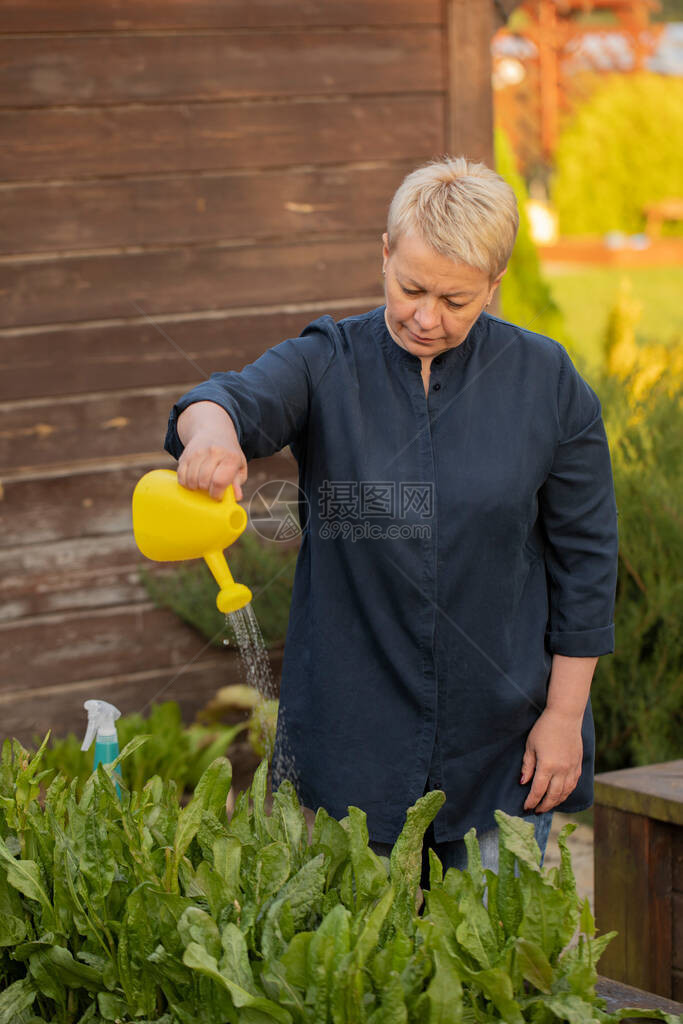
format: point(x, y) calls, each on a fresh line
point(586, 294)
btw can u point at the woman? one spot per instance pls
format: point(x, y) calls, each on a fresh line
point(455, 582)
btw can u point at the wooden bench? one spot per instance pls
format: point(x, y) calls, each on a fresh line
point(639, 875)
point(617, 996)
point(658, 213)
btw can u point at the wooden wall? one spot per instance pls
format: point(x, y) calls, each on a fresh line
point(183, 184)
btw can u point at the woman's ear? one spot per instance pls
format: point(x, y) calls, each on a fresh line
point(494, 284)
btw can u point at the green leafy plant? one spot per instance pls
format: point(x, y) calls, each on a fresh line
point(172, 750)
point(135, 909)
point(190, 590)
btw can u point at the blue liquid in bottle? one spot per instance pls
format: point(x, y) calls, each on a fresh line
point(106, 751)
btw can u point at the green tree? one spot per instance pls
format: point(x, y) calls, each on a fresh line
point(622, 151)
point(668, 10)
point(638, 691)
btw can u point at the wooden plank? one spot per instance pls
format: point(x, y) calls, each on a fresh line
point(125, 15)
point(88, 572)
point(60, 708)
point(53, 505)
point(677, 861)
point(48, 650)
point(99, 425)
point(677, 945)
point(78, 574)
point(677, 986)
point(139, 139)
point(611, 911)
point(655, 790)
point(72, 360)
point(617, 995)
point(68, 502)
point(89, 426)
point(187, 280)
point(470, 26)
point(633, 897)
point(197, 208)
point(89, 71)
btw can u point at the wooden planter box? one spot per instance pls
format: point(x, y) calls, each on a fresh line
point(617, 995)
point(639, 875)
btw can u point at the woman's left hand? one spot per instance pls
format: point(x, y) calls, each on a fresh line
point(553, 756)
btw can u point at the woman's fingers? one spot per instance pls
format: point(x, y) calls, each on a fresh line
point(216, 471)
point(212, 468)
point(226, 472)
point(555, 794)
point(550, 789)
point(559, 789)
point(241, 477)
point(193, 462)
point(538, 789)
point(528, 766)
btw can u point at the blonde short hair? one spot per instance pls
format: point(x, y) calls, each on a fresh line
point(461, 209)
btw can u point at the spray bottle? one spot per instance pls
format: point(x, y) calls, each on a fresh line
point(102, 728)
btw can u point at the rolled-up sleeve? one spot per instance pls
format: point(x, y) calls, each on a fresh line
point(269, 400)
point(579, 516)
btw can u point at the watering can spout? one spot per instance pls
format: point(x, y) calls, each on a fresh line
point(172, 523)
point(232, 596)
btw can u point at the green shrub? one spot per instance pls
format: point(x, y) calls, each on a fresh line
point(525, 295)
point(638, 691)
point(135, 909)
point(190, 590)
point(622, 151)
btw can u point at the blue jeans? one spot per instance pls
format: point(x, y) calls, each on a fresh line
point(454, 854)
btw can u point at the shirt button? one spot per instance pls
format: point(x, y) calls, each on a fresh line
point(436, 387)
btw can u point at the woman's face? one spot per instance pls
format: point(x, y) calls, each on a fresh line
point(432, 301)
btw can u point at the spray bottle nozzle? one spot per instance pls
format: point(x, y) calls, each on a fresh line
point(101, 721)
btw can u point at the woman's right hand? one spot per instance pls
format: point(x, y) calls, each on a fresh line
point(212, 459)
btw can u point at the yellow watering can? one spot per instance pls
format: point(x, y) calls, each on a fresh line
point(171, 524)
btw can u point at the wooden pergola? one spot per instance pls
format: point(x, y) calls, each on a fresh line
point(556, 27)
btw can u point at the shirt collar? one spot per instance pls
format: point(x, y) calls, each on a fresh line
point(401, 355)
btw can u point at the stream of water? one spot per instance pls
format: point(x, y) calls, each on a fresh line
point(253, 651)
point(247, 636)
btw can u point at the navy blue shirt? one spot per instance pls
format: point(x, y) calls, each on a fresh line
point(454, 543)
